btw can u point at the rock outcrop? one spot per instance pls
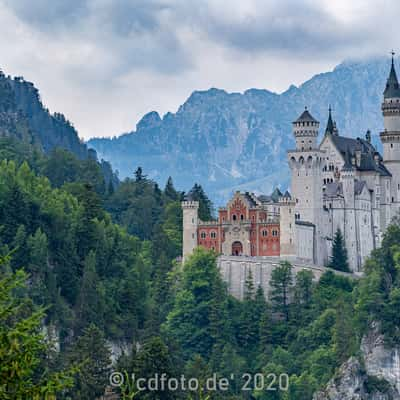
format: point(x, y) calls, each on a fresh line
point(376, 376)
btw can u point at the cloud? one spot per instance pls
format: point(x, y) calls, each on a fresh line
point(105, 63)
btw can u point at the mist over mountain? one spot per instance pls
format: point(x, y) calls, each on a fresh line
point(230, 141)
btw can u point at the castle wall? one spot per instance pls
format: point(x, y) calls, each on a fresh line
point(235, 270)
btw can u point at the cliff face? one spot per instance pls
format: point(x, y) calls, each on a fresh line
point(231, 141)
point(376, 376)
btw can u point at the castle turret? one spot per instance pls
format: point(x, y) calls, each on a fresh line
point(350, 233)
point(190, 223)
point(306, 163)
point(305, 130)
point(287, 222)
point(390, 137)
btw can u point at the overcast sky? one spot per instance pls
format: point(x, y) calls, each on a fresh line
point(105, 63)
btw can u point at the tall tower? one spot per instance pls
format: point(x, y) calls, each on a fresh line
point(287, 223)
point(350, 232)
point(306, 163)
point(190, 210)
point(390, 137)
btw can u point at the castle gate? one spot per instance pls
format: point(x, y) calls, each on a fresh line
point(237, 249)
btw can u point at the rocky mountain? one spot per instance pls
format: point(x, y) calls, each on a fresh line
point(230, 141)
point(23, 116)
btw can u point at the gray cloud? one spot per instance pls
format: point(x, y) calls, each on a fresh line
point(107, 62)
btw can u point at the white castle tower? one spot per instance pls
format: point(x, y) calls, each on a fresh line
point(190, 210)
point(390, 137)
point(349, 228)
point(306, 163)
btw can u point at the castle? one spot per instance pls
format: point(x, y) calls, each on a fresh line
point(340, 183)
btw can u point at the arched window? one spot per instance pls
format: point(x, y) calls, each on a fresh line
point(241, 217)
point(264, 233)
point(234, 217)
point(274, 232)
point(203, 235)
point(213, 235)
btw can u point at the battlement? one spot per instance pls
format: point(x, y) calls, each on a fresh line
point(190, 204)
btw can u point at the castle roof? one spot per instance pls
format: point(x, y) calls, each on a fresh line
point(392, 89)
point(330, 126)
point(306, 117)
point(359, 186)
point(348, 148)
point(333, 189)
point(287, 195)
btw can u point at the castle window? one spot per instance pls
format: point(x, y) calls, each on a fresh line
point(241, 217)
point(392, 199)
point(274, 233)
point(391, 145)
point(213, 235)
point(234, 217)
point(264, 232)
point(203, 235)
point(192, 220)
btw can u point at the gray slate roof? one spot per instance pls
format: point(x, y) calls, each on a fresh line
point(334, 189)
point(392, 89)
point(349, 146)
point(306, 117)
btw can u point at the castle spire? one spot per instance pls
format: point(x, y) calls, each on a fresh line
point(330, 127)
point(392, 89)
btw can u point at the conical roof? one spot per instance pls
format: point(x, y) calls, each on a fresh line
point(306, 117)
point(330, 126)
point(392, 89)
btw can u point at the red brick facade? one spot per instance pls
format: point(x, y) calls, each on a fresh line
point(244, 227)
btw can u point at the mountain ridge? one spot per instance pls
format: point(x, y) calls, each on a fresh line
point(226, 141)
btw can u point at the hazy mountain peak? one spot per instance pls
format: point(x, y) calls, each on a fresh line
point(228, 141)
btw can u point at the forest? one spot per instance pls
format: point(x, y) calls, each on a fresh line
point(91, 283)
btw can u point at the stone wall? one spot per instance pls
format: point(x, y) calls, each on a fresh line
point(235, 270)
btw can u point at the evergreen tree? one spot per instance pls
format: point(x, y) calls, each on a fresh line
point(339, 259)
point(249, 287)
point(205, 205)
point(188, 323)
point(154, 358)
point(169, 191)
point(23, 347)
point(281, 286)
point(90, 302)
point(302, 296)
point(139, 176)
point(344, 337)
point(93, 355)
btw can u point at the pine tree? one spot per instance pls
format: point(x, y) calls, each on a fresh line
point(281, 286)
point(139, 176)
point(206, 207)
point(154, 358)
point(90, 304)
point(92, 353)
point(302, 296)
point(344, 337)
point(249, 287)
point(169, 192)
point(23, 347)
point(339, 259)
